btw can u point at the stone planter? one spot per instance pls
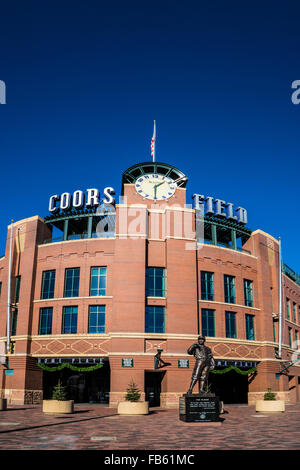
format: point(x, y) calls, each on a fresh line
point(133, 408)
point(3, 404)
point(58, 407)
point(270, 406)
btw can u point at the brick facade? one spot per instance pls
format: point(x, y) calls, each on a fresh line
point(126, 257)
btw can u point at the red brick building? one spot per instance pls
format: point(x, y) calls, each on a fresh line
point(123, 282)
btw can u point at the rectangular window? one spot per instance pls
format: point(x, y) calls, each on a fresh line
point(155, 319)
point(69, 322)
point(230, 324)
point(97, 319)
point(288, 308)
point(248, 292)
point(155, 282)
point(0, 287)
point(290, 336)
point(229, 289)
point(250, 327)
point(274, 331)
point(14, 319)
point(271, 292)
point(207, 285)
point(72, 282)
point(98, 281)
point(297, 346)
point(208, 322)
point(294, 312)
point(48, 282)
point(17, 289)
point(45, 323)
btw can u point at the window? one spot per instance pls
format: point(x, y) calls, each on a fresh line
point(294, 312)
point(288, 308)
point(229, 289)
point(97, 319)
point(48, 282)
point(69, 323)
point(72, 282)
point(290, 336)
point(248, 292)
point(45, 323)
point(208, 322)
point(230, 324)
point(297, 345)
point(0, 287)
point(250, 327)
point(155, 319)
point(271, 292)
point(207, 285)
point(14, 319)
point(274, 331)
point(98, 281)
point(17, 289)
point(155, 282)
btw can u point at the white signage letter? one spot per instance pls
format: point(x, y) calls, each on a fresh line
point(242, 215)
point(219, 206)
point(209, 205)
point(198, 198)
point(66, 201)
point(78, 199)
point(52, 201)
point(230, 215)
point(108, 193)
point(93, 198)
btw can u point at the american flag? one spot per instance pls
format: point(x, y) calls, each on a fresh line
point(153, 143)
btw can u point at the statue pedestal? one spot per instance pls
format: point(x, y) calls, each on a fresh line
point(199, 408)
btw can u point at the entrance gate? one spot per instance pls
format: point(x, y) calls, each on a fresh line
point(153, 387)
point(82, 387)
point(230, 387)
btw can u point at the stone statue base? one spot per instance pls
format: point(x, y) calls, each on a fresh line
point(199, 408)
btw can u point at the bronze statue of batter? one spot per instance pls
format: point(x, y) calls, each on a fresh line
point(204, 363)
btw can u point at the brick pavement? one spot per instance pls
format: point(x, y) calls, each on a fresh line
point(95, 427)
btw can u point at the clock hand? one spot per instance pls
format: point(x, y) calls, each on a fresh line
point(156, 186)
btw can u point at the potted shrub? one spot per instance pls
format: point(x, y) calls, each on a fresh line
point(132, 404)
point(59, 403)
point(269, 404)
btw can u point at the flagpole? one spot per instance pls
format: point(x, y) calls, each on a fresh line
point(280, 303)
point(153, 142)
point(9, 289)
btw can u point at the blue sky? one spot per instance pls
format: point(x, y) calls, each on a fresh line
point(85, 80)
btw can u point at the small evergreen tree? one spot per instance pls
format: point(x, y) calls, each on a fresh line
point(59, 392)
point(269, 395)
point(133, 393)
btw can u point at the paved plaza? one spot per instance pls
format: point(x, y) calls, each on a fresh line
point(98, 427)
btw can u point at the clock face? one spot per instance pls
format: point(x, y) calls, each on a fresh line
point(155, 187)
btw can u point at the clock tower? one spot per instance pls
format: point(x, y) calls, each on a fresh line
point(154, 183)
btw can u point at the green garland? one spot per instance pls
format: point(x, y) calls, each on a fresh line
point(236, 369)
point(70, 366)
point(98, 366)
